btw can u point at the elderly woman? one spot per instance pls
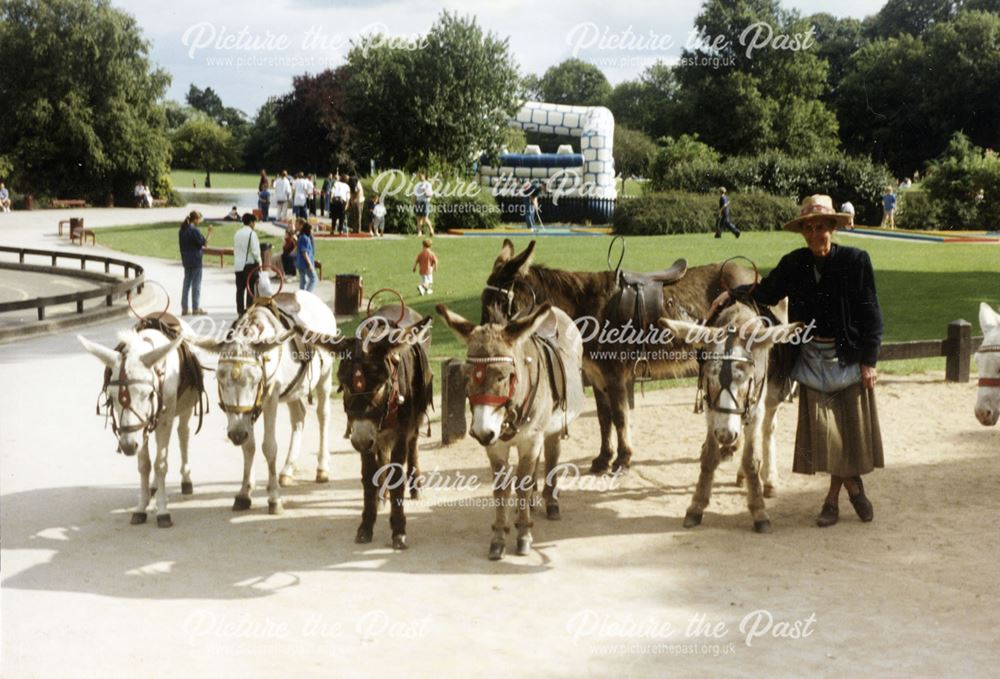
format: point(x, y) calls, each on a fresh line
point(833, 287)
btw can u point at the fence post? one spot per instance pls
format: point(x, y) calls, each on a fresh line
point(452, 401)
point(959, 351)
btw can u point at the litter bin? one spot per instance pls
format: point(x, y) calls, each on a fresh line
point(348, 289)
point(265, 255)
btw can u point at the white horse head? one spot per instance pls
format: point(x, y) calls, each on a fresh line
point(734, 371)
point(988, 365)
point(131, 392)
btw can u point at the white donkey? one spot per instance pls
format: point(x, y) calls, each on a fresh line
point(150, 382)
point(525, 387)
point(262, 364)
point(734, 377)
point(988, 365)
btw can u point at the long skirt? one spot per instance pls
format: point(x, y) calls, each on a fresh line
point(838, 433)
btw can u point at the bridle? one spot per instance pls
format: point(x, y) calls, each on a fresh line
point(508, 294)
point(263, 385)
point(989, 349)
point(145, 424)
point(389, 407)
point(728, 358)
point(514, 417)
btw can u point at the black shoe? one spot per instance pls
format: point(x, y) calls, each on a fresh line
point(828, 516)
point(718, 235)
point(862, 505)
point(738, 233)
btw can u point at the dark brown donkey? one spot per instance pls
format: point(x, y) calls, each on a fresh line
point(387, 385)
point(617, 313)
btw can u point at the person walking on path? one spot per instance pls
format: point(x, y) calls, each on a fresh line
point(192, 242)
point(423, 191)
point(427, 262)
point(831, 287)
point(338, 205)
point(305, 259)
point(889, 208)
point(376, 227)
point(301, 191)
point(723, 220)
point(282, 195)
point(325, 195)
point(355, 204)
point(246, 259)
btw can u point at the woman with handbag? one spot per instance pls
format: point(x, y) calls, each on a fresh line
point(833, 287)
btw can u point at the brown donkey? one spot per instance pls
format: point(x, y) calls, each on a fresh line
point(387, 384)
point(525, 387)
point(613, 347)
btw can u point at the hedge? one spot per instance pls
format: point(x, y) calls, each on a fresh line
point(842, 177)
point(672, 212)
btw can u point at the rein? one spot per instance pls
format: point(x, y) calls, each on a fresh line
point(989, 381)
point(754, 391)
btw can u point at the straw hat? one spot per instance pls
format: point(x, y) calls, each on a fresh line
point(815, 208)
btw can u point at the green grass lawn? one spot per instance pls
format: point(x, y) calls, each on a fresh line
point(220, 180)
point(922, 287)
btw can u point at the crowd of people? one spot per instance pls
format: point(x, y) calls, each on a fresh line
point(340, 197)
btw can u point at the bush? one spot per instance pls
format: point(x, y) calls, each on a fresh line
point(915, 210)
point(840, 176)
point(479, 211)
point(963, 187)
point(683, 212)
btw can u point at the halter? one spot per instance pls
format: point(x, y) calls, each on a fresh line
point(262, 386)
point(754, 391)
point(145, 424)
point(508, 294)
point(989, 381)
point(358, 386)
point(514, 417)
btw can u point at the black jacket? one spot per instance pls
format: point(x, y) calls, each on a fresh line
point(843, 303)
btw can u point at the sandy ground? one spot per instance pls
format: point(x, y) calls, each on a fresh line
point(617, 587)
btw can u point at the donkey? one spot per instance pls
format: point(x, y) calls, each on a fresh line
point(525, 387)
point(988, 366)
point(263, 362)
point(591, 299)
point(151, 380)
point(387, 383)
point(733, 377)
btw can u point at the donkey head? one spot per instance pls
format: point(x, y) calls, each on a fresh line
point(988, 366)
point(369, 378)
point(506, 294)
point(734, 365)
point(493, 369)
point(131, 386)
point(243, 374)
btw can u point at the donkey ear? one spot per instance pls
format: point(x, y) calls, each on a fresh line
point(686, 332)
point(334, 345)
point(989, 320)
point(412, 334)
point(523, 328)
point(519, 265)
point(461, 327)
point(506, 252)
point(154, 356)
point(209, 344)
point(784, 333)
point(108, 357)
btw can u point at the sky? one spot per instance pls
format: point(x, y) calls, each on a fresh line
point(248, 51)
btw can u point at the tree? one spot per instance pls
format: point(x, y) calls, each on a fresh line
point(836, 40)
point(264, 143)
point(80, 100)
point(575, 82)
point(912, 17)
point(233, 119)
point(649, 103)
point(443, 103)
point(311, 123)
point(747, 96)
point(204, 144)
point(632, 151)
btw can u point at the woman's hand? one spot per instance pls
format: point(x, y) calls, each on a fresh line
point(868, 376)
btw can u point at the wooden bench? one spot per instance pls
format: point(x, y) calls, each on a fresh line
point(159, 202)
point(80, 235)
point(68, 202)
point(62, 223)
point(222, 253)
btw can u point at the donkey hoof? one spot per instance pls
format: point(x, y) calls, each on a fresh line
point(414, 493)
point(497, 550)
point(599, 465)
point(399, 541)
point(241, 504)
point(692, 519)
point(552, 512)
point(621, 466)
point(138, 518)
point(187, 488)
point(769, 490)
point(286, 480)
point(739, 480)
point(322, 476)
point(163, 521)
point(152, 492)
point(363, 536)
point(275, 507)
point(524, 546)
point(762, 526)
